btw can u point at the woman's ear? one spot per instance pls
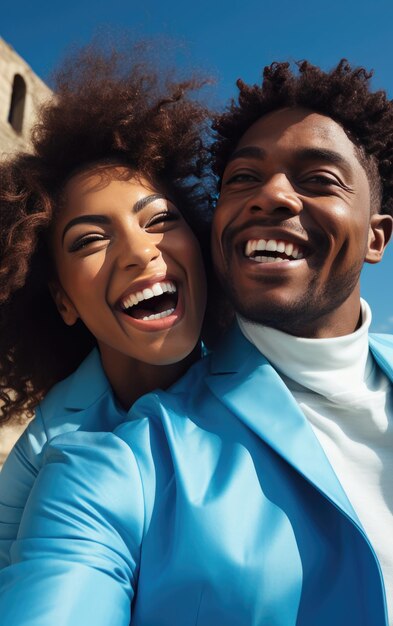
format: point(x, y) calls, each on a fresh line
point(64, 305)
point(380, 231)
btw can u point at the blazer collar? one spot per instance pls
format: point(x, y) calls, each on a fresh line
point(245, 382)
point(234, 348)
point(87, 383)
point(232, 351)
point(381, 347)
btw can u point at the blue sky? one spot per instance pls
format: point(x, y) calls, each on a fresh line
point(228, 39)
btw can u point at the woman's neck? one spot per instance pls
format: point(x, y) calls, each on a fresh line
point(130, 379)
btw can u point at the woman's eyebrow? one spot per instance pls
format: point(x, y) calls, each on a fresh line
point(140, 204)
point(103, 219)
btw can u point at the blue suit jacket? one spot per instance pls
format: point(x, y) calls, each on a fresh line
point(215, 505)
point(84, 401)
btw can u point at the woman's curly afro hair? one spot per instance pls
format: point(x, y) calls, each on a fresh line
point(107, 107)
point(342, 94)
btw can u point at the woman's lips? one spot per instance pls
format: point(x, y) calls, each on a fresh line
point(155, 289)
point(152, 323)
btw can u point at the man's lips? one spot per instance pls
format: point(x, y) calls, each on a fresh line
point(273, 248)
point(266, 242)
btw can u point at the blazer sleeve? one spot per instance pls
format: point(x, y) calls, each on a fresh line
point(16, 480)
point(75, 561)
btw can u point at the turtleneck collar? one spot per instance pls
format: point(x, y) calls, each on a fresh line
point(329, 367)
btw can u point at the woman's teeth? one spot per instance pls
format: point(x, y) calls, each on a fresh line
point(286, 251)
point(155, 290)
point(158, 316)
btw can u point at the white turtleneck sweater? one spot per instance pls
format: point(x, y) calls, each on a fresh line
point(348, 401)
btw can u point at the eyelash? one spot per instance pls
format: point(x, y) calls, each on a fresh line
point(240, 178)
point(165, 216)
point(84, 241)
point(319, 179)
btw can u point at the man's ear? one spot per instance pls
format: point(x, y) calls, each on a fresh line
point(380, 231)
point(63, 303)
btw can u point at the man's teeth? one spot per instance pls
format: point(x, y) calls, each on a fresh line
point(267, 259)
point(158, 316)
point(271, 245)
point(155, 290)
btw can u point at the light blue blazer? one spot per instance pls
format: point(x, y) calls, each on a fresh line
point(215, 505)
point(84, 401)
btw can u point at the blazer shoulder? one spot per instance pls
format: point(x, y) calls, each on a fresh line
point(38, 432)
point(72, 404)
point(54, 400)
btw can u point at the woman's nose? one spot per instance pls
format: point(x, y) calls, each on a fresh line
point(138, 249)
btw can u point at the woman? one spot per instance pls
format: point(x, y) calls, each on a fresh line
point(101, 269)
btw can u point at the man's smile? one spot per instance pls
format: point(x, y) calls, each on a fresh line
point(279, 246)
point(273, 250)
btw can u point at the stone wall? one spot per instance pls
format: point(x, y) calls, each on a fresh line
point(21, 97)
point(36, 92)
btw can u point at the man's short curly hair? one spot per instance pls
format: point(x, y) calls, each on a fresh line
point(342, 94)
point(106, 108)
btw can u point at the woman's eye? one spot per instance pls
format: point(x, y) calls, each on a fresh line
point(163, 218)
point(83, 242)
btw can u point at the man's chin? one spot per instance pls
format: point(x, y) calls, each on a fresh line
point(285, 319)
point(294, 317)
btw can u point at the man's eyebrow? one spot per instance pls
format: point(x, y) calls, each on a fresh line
point(302, 154)
point(252, 152)
point(326, 155)
point(103, 219)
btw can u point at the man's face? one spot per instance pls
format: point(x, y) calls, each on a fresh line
point(293, 225)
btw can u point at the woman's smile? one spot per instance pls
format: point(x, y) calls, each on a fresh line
point(153, 306)
point(129, 266)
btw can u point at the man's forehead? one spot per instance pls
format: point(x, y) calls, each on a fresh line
point(304, 124)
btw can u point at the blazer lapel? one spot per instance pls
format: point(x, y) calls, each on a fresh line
point(381, 347)
point(245, 382)
point(87, 383)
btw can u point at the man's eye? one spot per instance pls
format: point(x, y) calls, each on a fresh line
point(320, 179)
point(242, 177)
point(83, 242)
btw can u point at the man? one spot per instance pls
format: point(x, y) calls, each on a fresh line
point(261, 485)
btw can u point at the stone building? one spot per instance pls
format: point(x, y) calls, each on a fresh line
point(21, 93)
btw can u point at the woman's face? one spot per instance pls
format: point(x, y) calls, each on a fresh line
point(129, 266)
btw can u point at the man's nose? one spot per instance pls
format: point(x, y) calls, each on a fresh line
point(138, 248)
point(275, 195)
